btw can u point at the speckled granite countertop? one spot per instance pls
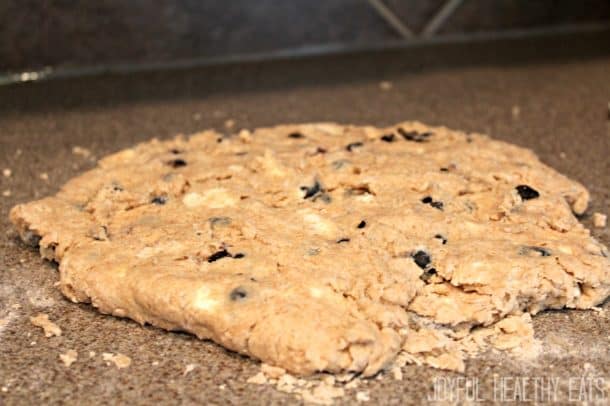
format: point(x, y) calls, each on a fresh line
point(550, 95)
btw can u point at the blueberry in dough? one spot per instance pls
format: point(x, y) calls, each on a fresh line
point(238, 294)
point(526, 192)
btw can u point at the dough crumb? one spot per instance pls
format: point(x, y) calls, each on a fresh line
point(84, 152)
point(155, 363)
point(44, 176)
point(516, 111)
point(68, 358)
point(229, 123)
point(516, 333)
point(600, 220)
point(91, 354)
point(7, 172)
point(42, 320)
point(397, 373)
point(120, 361)
point(362, 396)
point(271, 371)
point(286, 383)
point(6, 193)
point(189, 368)
point(323, 394)
point(222, 386)
point(385, 85)
point(258, 379)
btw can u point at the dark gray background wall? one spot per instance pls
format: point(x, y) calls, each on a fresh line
point(64, 33)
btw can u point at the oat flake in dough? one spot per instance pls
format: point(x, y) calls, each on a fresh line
point(322, 247)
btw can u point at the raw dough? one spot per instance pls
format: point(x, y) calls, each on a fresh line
point(322, 247)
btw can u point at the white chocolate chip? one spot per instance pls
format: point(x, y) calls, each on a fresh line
point(319, 225)
point(216, 198)
point(203, 300)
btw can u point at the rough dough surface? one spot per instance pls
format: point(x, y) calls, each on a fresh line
point(322, 247)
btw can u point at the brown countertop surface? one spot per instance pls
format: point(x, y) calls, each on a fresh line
point(550, 95)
